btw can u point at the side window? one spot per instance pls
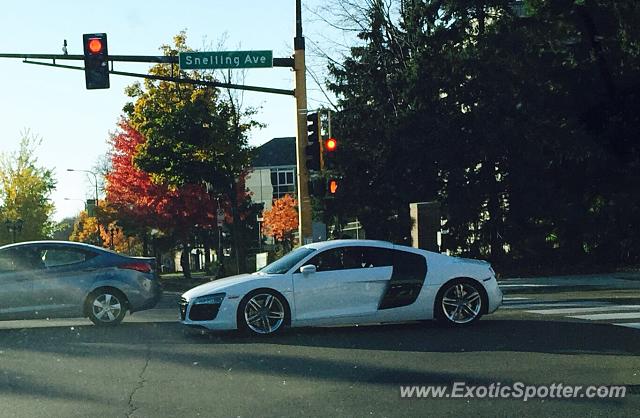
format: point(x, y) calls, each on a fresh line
point(347, 258)
point(366, 257)
point(56, 257)
point(408, 266)
point(328, 260)
point(27, 258)
point(6, 262)
point(377, 257)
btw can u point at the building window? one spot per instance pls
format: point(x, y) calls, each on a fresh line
point(282, 180)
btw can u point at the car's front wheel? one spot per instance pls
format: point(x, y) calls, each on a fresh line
point(262, 312)
point(106, 307)
point(460, 302)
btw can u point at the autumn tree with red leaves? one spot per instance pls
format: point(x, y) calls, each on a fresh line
point(281, 220)
point(143, 203)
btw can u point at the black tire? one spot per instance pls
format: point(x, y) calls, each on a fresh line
point(106, 306)
point(270, 310)
point(460, 303)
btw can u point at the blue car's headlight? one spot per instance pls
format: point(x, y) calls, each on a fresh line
point(215, 299)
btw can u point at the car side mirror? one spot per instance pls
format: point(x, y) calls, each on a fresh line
point(309, 269)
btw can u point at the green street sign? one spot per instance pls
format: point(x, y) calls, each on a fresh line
point(225, 59)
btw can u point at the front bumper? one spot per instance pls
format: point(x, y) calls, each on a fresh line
point(209, 316)
point(494, 295)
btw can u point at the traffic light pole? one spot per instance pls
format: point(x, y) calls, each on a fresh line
point(305, 227)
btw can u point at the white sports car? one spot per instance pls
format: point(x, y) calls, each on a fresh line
point(346, 282)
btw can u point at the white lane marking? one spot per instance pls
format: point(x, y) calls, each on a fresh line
point(609, 308)
point(608, 316)
point(635, 325)
point(509, 298)
point(560, 305)
point(528, 285)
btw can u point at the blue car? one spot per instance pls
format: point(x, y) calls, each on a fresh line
point(61, 279)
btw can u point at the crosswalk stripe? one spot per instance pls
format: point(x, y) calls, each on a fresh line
point(608, 316)
point(635, 325)
point(610, 308)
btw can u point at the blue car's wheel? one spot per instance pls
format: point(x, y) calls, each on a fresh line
point(106, 307)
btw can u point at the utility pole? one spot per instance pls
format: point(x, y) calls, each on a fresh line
point(304, 202)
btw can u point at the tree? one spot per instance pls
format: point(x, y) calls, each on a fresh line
point(194, 134)
point(64, 229)
point(85, 229)
point(25, 190)
point(523, 127)
point(281, 220)
point(142, 204)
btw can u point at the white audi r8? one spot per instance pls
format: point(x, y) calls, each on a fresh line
point(346, 282)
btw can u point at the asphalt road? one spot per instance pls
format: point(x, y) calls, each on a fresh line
point(149, 367)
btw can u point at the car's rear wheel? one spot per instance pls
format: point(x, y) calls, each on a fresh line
point(262, 312)
point(460, 302)
point(106, 307)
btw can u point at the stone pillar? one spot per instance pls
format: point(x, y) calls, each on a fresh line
point(426, 225)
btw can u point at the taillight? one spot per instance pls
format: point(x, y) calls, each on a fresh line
point(137, 266)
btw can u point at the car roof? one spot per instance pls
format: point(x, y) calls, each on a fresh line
point(348, 242)
point(49, 242)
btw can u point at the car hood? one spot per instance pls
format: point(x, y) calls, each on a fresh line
point(470, 261)
point(221, 285)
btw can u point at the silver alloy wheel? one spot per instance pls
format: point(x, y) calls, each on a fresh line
point(264, 313)
point(461, 303)
point(106, 307)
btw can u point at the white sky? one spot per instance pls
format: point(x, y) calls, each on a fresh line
point(74, 123)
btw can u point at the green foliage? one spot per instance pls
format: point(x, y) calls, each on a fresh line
point(64, 229)
point(524, 128)
point(193, 133)
point(25, 190)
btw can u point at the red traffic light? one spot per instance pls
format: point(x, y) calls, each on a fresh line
point(331, 144)
point(95, 45)
point(333, 186)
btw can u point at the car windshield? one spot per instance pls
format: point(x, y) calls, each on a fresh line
point(285, 264)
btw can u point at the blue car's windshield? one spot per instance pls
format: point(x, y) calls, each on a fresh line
point(285, 264)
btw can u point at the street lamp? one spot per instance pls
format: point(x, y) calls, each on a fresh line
point(95, 180)
point(14, 227)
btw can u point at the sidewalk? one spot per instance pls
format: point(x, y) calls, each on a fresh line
point(611, 281)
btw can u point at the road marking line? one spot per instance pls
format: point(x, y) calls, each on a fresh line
point(635, 325)
point(610, 308)
point(514, 298)
point(575, 305)
point(528, 285)
point(607, 316)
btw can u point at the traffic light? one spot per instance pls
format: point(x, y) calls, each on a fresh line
point(329, 147)
point(313, 147)
point(333, 186)
point(96, 60)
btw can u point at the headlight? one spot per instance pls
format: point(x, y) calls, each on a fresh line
point(215, 299)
